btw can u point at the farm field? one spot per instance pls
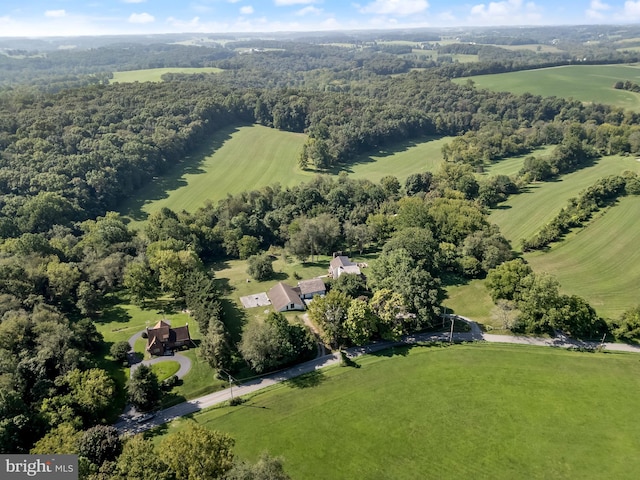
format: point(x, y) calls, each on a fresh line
point(600, 262)
point(400, 161)
point(522, 215)
point(587, 83)
point(512, 165)
point(237, 159)
point(155, 74)
point(250, 157)
point(468, 411)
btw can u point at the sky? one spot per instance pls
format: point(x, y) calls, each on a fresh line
point(103, 17)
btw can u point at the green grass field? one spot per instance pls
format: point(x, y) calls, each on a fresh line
point(523, 215)
point(512, 165)
point(400, 161)
point(245, 158)
point(235, 160)
point(155, 74)
point(587, 83)
point(474, 411)
point(600, 262)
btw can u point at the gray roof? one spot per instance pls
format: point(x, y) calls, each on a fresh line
point(282, 295)
point(311, 286)
point(341, 261)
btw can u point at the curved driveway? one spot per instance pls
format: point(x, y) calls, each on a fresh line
point(476, 334)
point(134, 361)
point(185, 364)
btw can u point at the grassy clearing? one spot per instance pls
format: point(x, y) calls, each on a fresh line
point(155, 74)
point(535, 47)
point(522, 215)
point(245, 158)
point(476, 411)
point(587, 83)
point(512, 165)
point(235, 160)
point(473, 301)
point(121, 320)
point(401, 160)
point(600, 262)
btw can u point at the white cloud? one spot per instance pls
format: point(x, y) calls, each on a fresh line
point(507, 12)
point(55, 13)
point(395, 7)
point(596, 9)
point(134, 1)
point(284, 3)
point(632, 9)
point(141, 18)
point(309, 11)
point(246, 10)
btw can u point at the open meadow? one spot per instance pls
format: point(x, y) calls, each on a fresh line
point(587, 83)
point(244, 158)
point(155, 74)
point(468, 411)
point(521, 216)
point(600, 262)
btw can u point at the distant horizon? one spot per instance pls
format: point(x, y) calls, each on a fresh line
point(76, 18)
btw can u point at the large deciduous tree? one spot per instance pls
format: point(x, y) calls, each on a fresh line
point(196, 453)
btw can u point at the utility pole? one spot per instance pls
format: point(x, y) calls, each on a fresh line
point(453, 319)
point(231, 380)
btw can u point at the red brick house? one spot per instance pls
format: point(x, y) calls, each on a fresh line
point(161, 338)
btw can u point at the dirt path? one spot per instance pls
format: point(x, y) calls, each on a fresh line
point(322, 351)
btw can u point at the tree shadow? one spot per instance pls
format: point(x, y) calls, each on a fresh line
point(158, 431)
point(112, 314)
point(234, 319)
point(308, 380)
point(394, 351)
point(383, 151)
point(174, 177)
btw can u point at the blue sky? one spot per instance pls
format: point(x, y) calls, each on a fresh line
point(96, 17)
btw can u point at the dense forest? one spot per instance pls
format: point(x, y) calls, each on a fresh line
point(72, 146)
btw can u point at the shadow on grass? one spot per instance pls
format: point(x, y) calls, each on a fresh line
point(309, 380)
point(172, 179)
point(234, 319)
point(382, 152)
point(158, 431)
point(113, 313)
point(401, 351)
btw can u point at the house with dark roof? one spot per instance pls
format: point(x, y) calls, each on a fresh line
point(285, 298)
point(310, 288)
point(161, 338)
point(341, 264)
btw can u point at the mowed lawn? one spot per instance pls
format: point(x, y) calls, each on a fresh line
point(523, 215)
point(236, 159)
point(155, 74)
point(239, 159)
point(600, 262)
point(470, 411)
point(401, 160)
point(587, 83)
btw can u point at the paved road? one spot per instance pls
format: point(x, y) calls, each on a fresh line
point(475, 334)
